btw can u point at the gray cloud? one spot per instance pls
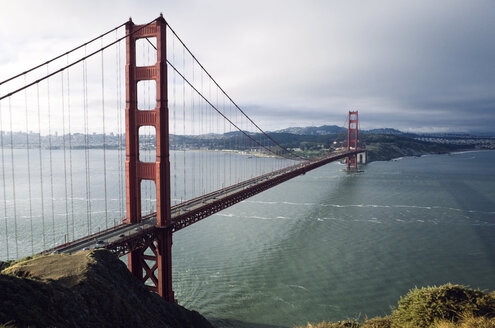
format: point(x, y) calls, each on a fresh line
point(418, 65)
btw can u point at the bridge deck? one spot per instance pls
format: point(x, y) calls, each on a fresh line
point(126, 237)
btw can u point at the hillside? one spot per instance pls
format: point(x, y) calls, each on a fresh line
point(387, 147)
point(313, 130)
point(381, 147)
point(87, 289)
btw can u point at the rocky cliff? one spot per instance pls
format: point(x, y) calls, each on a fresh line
point(87, 289)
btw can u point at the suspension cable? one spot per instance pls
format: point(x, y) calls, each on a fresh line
point(193, 155)
point(60, 56)
point(219, 112)
point(104, 137)
point(119, 128)
point(41, 169)
point(86, 151)
point(50, 156)
point(29, 169)
point(74, 63)
point(184, 124)
point(65, 161)
point(225, 93)
point(12, 168)
point(218, 86)
point(70, 155)
point(175, 124)
point(3, 184)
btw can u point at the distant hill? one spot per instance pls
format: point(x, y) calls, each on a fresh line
point(313, 130)
point(333, 129)
point(386, 131)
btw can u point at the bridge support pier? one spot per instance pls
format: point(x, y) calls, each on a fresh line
point(151, 263)
point(164, 261)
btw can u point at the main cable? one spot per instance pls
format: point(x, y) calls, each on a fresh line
point(219, 112)
point(60, 56)
point(76, 62)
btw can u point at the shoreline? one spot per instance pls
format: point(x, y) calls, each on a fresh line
point(432, 154)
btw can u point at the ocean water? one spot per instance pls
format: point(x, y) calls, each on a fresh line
point(327, 245)
point(331, 245)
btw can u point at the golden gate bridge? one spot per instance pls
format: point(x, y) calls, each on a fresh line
point(190, 150)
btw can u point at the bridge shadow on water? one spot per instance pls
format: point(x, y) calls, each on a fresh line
point(231, 323)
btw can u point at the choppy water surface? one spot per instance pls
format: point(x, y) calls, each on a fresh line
point(330, 245)
point(324, 246)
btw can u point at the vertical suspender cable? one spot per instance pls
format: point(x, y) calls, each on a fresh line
point(175, 121)
point(65, 161)
point(230, 145)
point(104, 135)
point(117, 89)
point(193, 155)
point(86, 149)
point(41, 168)
point(212, 161)
point(245, 149)
point(3, 184)
point(201, 172)
point(210, 165)
point(255, 162)
point(184, 119)
point(50, 155)
point(256, 157)
point(70, 156)
point(224, 154)
point(217, 131)
point(236, 170)
point(29, 168)
point(12, 168)
point(119, 128)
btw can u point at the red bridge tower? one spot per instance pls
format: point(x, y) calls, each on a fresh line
point(160, 254)
point(352, 139)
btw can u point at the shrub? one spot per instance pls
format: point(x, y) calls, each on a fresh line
point(426, 306)
point(340, 324)
point(468, 322)
point(378, 322)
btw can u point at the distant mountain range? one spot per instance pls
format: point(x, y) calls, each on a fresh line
point(333, 129)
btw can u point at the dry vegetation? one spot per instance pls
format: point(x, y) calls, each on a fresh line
point(447, 306)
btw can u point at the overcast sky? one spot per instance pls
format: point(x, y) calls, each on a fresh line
point(412, 65)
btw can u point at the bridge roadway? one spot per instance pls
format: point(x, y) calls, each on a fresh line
point(125, 237)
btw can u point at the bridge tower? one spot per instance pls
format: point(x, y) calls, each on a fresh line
point(352, 139)
point(160, 246)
